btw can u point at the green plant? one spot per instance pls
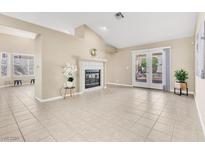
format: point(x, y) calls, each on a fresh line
point(154, 64)
point(181, 75)
point(144, 63)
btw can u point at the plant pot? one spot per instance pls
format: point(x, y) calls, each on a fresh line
point(180, 85)
point(69, 84)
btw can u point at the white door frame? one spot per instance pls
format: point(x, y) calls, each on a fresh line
point(148, 53)
point(156, 85)
point(139, 84)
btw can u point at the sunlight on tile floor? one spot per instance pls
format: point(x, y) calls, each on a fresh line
point(112, 114)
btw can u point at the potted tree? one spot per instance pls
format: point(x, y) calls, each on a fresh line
point(181, 77)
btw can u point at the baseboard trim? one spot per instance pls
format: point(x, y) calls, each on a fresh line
point(200, 118)
point(6, 86)
point(119, 84)
point(11, 85)
point(48, 99)
point(128, 85)
point(190, 92)
point(53, 98)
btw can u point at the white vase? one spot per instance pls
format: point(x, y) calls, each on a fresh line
point(69, 84)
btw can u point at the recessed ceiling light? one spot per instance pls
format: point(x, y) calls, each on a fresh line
point(104, 28)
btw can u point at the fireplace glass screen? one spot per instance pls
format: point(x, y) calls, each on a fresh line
point(92, 78)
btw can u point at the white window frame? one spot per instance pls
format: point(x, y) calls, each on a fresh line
point(8, 67)
point(23, 54)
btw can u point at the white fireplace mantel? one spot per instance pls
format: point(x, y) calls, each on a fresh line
point(91, 63)
point(92, 59)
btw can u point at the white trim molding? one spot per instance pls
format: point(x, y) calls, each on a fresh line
point(129, 85)
point(145, 49)
point(12, 85)
point(6, 86)
point(200, 118)
point(119, 84)
point(53, 98)
point(98, 64)
point(48, 99)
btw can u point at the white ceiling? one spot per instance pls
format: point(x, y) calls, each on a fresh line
point(134, 29)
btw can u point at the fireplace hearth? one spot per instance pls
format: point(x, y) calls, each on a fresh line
point(92, 78)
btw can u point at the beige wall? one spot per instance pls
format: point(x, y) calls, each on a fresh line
point(200, 83)
point(11, 43)
point(62, 48)
point(56, 49)
point(14, 44)
point(182, 56)
point(111, 49)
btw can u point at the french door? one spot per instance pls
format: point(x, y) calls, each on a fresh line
point(148, 68)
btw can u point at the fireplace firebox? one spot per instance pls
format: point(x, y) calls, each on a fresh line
point(92, 78)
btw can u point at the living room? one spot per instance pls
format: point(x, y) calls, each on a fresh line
point(94, 75)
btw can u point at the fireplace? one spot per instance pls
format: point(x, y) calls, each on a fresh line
point(92, 78)
point(91, 74)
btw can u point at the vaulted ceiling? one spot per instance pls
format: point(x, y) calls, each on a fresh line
point(134, 29)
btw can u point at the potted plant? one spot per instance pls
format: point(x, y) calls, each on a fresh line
point(181, 77)
point(69, 71)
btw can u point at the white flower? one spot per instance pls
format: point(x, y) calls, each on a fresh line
point(69, 70)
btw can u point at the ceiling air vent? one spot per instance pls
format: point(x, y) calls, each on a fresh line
point(119, 15)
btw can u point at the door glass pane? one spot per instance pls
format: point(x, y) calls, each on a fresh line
point(23, 65)
point(157, 68)
point(4, 62)
point(141, 68)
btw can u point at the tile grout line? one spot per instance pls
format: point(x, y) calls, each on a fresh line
point(30, 106)
point(173, 131)
point(77, 132)
point(151, 128)
point(154, 123)
point(16, 123)
point(141, 116)
point(36, 118)
point(32, 98)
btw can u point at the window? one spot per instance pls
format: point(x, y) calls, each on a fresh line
point(4, 64)
point(23, 65)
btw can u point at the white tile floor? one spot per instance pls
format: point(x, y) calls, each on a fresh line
point(112, 114)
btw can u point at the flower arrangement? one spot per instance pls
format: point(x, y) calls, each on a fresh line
point(69, 70)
